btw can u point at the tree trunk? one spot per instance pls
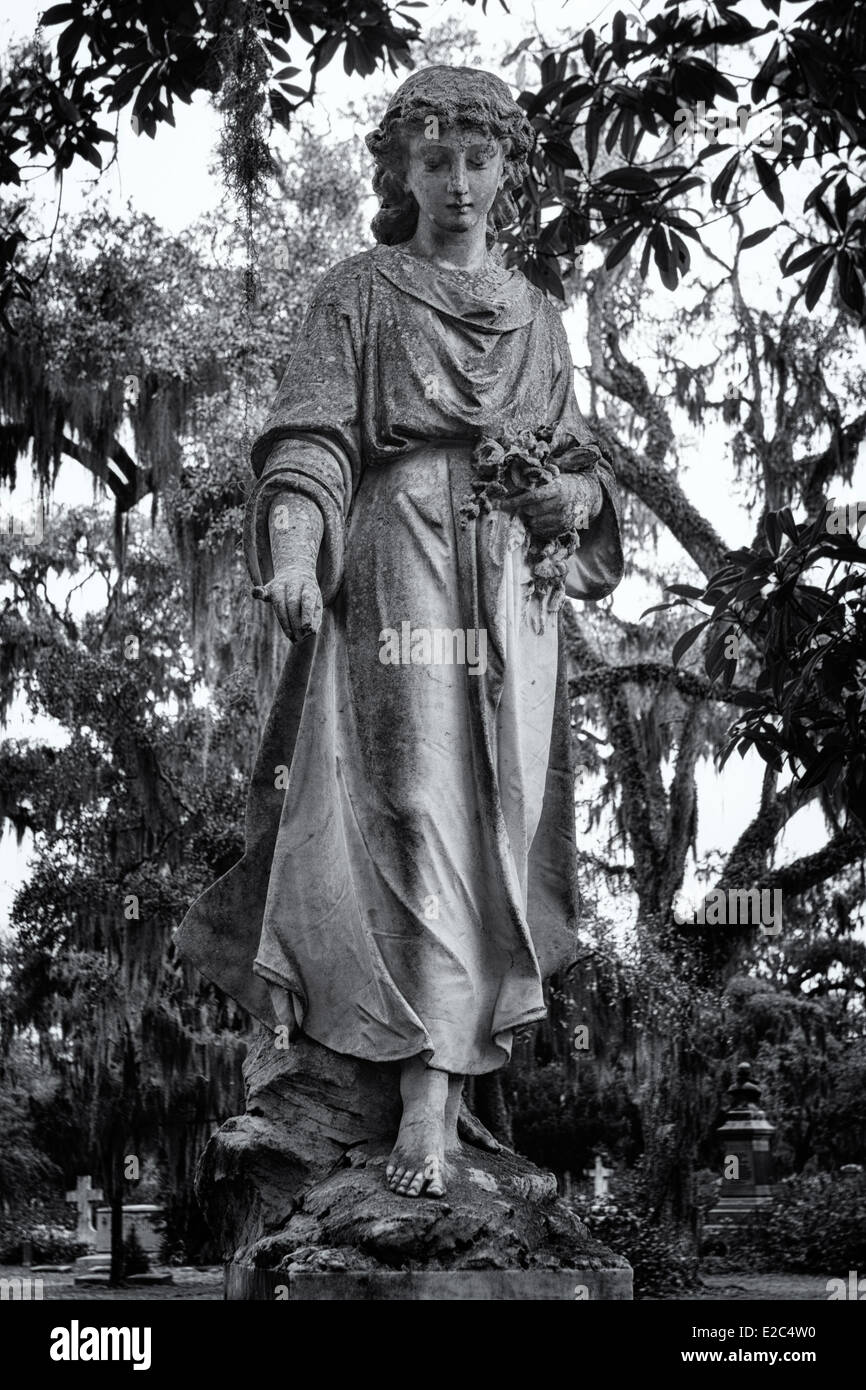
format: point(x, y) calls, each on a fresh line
point(116, 1200)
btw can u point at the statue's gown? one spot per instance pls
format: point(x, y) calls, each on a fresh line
point(409, 874)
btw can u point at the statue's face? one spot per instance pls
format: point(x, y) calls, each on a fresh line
point(455, 175)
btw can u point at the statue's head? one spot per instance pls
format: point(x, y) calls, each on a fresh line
point(453, 141)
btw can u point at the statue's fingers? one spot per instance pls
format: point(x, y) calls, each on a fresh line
point(549, 518)
point(290, 599)
point(509, 504)
point(544, 510)
point(296, 617)
point(311, 609)
point(281, 609)
point(548, 492)
point(526, 504)
point(519, 501)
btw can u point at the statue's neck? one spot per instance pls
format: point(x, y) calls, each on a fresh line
point(462, 251)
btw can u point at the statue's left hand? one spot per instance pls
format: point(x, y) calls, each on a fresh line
point(571, 500)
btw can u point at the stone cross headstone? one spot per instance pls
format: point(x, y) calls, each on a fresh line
point(599, 1175)
point(84, 1197)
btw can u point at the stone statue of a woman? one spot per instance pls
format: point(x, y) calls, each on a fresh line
point(426, 490)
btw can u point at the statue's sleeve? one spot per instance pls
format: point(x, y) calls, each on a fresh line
point(310, 441)
point(596, 567)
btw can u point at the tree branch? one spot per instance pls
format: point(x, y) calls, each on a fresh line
point(838, 457)
point(659, 490)
point(125, 479)
point(604, 679)
point(848, 847)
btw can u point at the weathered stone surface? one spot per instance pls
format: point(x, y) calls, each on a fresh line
point(296, 1188)
point(488, 1285)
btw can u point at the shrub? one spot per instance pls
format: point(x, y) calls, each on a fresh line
point(816, 1225)
point(49, 1244)
point(663, 1258)
point(186, 1238)
point(135, 1259)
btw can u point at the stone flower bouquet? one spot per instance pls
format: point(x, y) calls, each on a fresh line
point(511, 464)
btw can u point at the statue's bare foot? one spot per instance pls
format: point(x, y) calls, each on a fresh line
point(470, 1128)
point(417, 1167)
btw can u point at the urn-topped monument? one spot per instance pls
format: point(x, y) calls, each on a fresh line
point(747, 1181)
point(426, 494)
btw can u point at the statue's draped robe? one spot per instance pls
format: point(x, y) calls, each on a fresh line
point(409, 874)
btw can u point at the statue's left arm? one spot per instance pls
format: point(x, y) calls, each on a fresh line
point(596, 568)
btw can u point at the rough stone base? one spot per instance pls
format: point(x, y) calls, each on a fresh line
point(491, 1285)
point(295, 1190)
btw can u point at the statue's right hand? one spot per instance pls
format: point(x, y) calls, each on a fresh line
point(296, 599)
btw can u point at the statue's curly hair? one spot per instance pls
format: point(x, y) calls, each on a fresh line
point(453, 95)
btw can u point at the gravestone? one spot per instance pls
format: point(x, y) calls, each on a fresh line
point(747, 1185)
point(599, 1175)
point(138, 1217)
point(85, 1197)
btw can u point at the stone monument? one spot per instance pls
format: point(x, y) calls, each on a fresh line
point(426, 494)
point(599, 1175)
point(85, 1197)
point(747, 1181)
point(142, 1218)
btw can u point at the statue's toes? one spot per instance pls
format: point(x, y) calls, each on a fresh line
point(433, 1177)
point(428, 1180)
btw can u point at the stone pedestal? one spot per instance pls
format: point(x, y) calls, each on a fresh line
point(295, 1191)
point(747, 1182)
